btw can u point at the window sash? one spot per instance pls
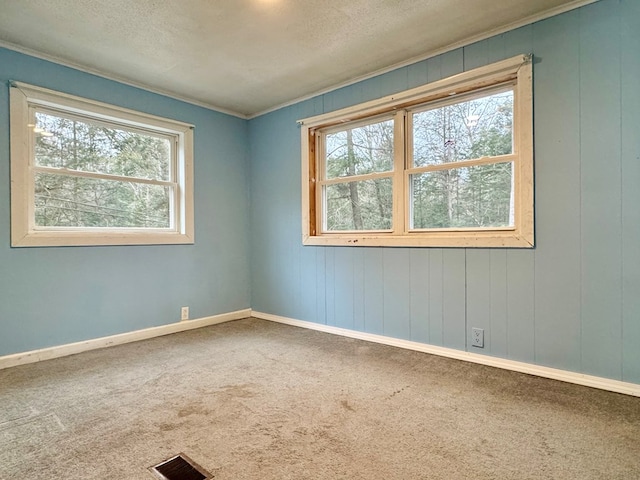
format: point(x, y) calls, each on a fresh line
point(26, 100)
point(511, 74)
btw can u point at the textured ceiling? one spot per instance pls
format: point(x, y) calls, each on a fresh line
point(249, 56)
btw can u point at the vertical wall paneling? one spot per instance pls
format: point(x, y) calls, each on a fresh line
point(520, 305)
point(308, 284)
point(436, 296)
point(419, 294)
point(630, 141)
point(517, 42)
point(417, 74)
point(572, 302)
point(330, 286)
point(600, 189)
point(475, 55)
point(434, 68)
point(498, 325)
point(358, 289)
point(397, 316)
point(373, 290)
point(478, 296)
point(454, 308)
point(557, 164)
point(343, 281)
point(452, 63)
point(321, 285)
point(496, 49)
point(557, 169)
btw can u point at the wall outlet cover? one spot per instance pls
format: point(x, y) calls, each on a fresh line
point(477, 337)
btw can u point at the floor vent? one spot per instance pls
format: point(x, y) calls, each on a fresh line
point(179, 467)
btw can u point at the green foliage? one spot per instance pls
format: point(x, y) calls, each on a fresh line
point(63, 199)
point(467, 197)
point(455, 197)
point(360, 204)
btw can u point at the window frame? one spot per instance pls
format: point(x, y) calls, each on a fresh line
point(25, 101)
point(517, 71)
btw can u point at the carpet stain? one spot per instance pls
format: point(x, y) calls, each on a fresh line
point(240, 391)
point(346, 406)
point(195, 409)
point(168, 427)
point(398, 391)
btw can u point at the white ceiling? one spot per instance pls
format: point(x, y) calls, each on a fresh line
point(250, 56)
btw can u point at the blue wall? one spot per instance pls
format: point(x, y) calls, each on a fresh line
point(572, 303)
point(54, 296)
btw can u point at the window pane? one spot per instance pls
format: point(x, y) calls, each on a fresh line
point(360, 150)
point(364, 205)
point(65, 201)
point(482, 127)
point(478, 196)
point(91, 147)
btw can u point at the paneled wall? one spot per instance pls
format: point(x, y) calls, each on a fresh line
point(571, 303)
point(55, 296)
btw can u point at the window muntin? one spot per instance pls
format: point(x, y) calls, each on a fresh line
point(462, 171)
point(87, 173)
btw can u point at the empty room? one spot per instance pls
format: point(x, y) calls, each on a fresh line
point(319, 239)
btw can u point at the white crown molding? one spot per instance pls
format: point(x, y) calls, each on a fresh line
point(116, 78)
point(431, 53)
point(552, 12)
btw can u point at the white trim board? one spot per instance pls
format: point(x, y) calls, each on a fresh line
point(93, 344)
point(540, 371)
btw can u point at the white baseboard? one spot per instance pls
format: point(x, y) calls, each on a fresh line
point(93, 344)
point(540, 371)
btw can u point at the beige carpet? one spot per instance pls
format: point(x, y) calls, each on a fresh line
point(257, 400)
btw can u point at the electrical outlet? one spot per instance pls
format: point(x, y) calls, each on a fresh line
point(477, 337)
point(184, 313)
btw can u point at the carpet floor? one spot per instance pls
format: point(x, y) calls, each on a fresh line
point(252, 399)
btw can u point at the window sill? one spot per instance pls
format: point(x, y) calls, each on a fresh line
point(491, 239)
point(69, 238)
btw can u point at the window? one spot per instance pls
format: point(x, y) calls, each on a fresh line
point(448, 164)
point(87, 173)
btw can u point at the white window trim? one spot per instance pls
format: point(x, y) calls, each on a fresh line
point(517, 69)
point(23, 230)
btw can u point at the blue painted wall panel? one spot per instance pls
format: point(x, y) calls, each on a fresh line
point(499, 325)
point(478, 295)
point(374, 291)
point(343, 281)
point(419, 294)
point(53, 296)
point(558, 231)
point(436, 297)
point(600, 175)
point(572, 302)
point(397, 290)
point(630, 169)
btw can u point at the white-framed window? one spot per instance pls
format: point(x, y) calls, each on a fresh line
point(88, 173)
point(448, 164)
